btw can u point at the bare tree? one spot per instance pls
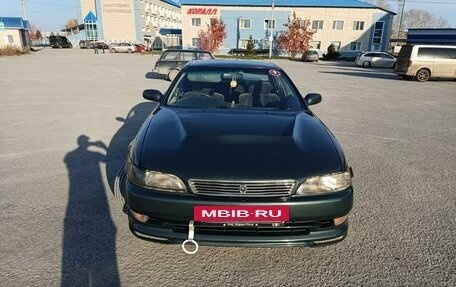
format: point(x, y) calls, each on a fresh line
point(418, 18)
point(380, 3)
point(71, 23)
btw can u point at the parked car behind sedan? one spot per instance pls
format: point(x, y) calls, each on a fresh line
point(140, 48)
point(172, 61)
point(375, 59)
point(122, 47)
point(232, 155)
point(310, 56)
point(85, 44)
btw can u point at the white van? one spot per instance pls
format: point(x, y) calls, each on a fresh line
point(424, 61)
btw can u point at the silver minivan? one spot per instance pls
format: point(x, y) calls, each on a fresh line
point(425, 61)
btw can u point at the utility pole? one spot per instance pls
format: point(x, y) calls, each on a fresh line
point(271, 38)
point(402, 5)
point(24, 14)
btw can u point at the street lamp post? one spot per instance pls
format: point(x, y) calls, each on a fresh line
point(400, 21)
point(271, 38)
point(24, 14)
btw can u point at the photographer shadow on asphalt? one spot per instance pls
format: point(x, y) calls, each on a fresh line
point(89, 236)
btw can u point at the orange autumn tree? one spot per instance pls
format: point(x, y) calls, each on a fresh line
point(211, 39)
point(296, 39)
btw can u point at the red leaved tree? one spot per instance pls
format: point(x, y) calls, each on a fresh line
point(34, 33)
point(211, 39)
point(296, 39)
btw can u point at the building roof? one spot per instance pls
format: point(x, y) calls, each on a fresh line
point(15, 23)
point(172, 2)
point(90, 17)
point(282, 3)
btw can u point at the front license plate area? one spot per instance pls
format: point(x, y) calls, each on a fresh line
point(242, 215)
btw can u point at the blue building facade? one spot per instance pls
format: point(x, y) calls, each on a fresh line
point(350, 25)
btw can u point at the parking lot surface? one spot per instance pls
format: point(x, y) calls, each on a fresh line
point(68, 115)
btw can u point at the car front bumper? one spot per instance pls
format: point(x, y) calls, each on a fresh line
point(311, 219)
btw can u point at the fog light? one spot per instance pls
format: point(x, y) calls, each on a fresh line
point(140, 217)
point(340, 220)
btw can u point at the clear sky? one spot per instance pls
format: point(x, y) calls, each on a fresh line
point(51, 15)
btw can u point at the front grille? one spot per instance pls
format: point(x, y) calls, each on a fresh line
point(262, 188)
point(284, 229)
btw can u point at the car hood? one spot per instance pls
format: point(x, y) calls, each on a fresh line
point(237, 144)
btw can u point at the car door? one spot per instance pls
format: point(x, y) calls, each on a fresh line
point(124, 47)
point(375, 59)
point(386, 60)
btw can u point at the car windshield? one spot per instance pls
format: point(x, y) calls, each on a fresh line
point(209, 87)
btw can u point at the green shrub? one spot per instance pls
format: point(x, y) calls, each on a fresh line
point(250, 48)
point(332, 55)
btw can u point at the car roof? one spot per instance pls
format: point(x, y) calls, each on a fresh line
point(186, 50)
point(232, 64)
point(370, 52)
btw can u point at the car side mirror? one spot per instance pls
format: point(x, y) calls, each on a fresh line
point(312, 99)
point(152, 95)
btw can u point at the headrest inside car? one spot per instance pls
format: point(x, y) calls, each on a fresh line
point(204, 76)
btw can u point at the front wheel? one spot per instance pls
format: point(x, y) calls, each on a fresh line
point(113, 50)
point(130, 51)
point(366, 64)
point(423, 75)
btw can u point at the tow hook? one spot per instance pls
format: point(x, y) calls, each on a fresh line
point(189, 241)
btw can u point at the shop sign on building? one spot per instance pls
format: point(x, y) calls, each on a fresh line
point(202, 11)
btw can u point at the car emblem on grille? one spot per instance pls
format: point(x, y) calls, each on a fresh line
point(242, 188)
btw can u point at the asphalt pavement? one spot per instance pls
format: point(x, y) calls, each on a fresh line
point(67, 116)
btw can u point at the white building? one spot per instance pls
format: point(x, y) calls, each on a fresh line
point(350, 25)
point(14, 32)
point(133, 20)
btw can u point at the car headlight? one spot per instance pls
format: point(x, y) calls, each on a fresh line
point(326, 183)
point(154, 179)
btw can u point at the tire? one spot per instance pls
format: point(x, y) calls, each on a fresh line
point(367, 64)
point(423, 75)
point(130, 51)
point(394, 66)
point(113, 50)
point(172, 75)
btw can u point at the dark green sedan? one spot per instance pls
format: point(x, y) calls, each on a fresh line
point(233, 156)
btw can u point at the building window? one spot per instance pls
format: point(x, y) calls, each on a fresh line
point(358, 25)
point(244, 23)
point(336, 45)
point(196, 22)
point(195, 42)
point(338, 25)
point(317, 24)
point(243, 43)
point(9, 39)
point(378, 35)
point(355, 46)
point(268, 24)
point(303, 23)
point(315, 45)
